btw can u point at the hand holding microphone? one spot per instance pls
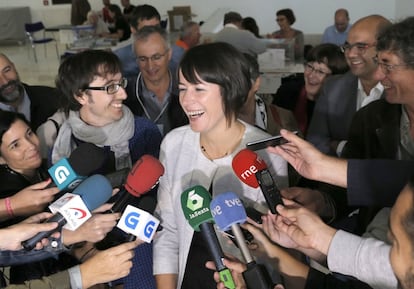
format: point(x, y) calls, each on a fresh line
point(143, 176)
point(72, 211)
point(195, 203)
point(228, 212)
point(68, 173)
point(252, 171)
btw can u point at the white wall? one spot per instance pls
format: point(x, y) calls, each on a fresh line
point(312, 16)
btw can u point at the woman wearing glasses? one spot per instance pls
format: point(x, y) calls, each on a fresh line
point(321, 61)
point(285, 18)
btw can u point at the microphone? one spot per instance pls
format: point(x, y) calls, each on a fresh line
point(252, 171)
point(92, 193)
point(143, 176)
point(139, 222)
point(195, 203)
point(68, 173)
point(228, 212)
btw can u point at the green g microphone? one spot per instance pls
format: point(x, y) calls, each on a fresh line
point(195, 203)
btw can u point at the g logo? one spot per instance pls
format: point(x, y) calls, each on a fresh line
point(132, 220)
point(194, 201)
point(61, 174)
point(149, 229)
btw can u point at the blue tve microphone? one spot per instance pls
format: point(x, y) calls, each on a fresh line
point(94, 191)
point(228, 212)
point(68, 173)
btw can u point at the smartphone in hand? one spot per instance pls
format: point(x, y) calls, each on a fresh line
point(270, 141)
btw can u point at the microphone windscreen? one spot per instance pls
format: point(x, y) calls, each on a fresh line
point(195, 203)
point(227, 209)
point(86, 159)
point(246, 164)
point(94, 191)
point(144, 175)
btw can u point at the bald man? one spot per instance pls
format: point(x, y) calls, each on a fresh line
point(343, 95)
point(37, 103)
point(338, 32)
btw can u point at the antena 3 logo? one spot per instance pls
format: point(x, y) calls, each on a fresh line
point(194, 203)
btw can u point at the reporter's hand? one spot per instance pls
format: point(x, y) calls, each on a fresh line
point(313, 200)
point(269, 228)
point(12, 237)
point(236, 268)
point(302, 155)
point(305, 228)
point(32, 199)
point(94, 229)
point(108, 265)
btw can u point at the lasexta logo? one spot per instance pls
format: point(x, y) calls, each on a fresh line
point(194, 201)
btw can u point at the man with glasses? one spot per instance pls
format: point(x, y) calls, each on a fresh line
point(154, 93)
point(342, 96)
point(95, 90)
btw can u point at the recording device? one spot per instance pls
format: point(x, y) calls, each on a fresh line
point(143, 176)
point(195, 203)
point(93, 192)
point(252, 171)
point(68, 173)
point(228, 212)
point(267, 142)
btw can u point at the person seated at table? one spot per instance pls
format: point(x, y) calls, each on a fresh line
point(99, 26)
point(300, 94)
point(249, 24)
point(285, 18)
point(121, 30)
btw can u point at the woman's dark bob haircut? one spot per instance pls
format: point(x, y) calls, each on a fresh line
point(222, 64)
point(7, 118)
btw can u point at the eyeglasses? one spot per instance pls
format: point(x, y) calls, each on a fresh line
point(309, 68)
point(386, 67)
point(155, 57)
point(361, 47)
point(111, 88)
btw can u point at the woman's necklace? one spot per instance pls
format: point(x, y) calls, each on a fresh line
point(228, 151)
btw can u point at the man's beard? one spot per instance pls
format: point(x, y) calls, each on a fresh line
point(13, 96)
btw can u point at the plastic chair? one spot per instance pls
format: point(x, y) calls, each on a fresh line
point(32, 30)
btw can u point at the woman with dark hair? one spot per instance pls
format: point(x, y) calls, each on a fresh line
point(21, 166)
point(300, 95)
point(214, 81)
point(248, 23)
point(23, 192)
point(285, 18)
point(120, 30)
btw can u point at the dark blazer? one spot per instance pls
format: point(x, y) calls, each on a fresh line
point(333, 111)
point(375, 132)
point(175, 114)
point(44, 101)
point(377, 182)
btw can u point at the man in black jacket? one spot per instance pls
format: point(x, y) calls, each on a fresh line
point(37, 103)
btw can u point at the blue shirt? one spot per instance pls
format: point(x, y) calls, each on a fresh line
point(331, 35)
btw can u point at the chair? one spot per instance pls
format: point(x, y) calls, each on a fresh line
point(32, 30)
